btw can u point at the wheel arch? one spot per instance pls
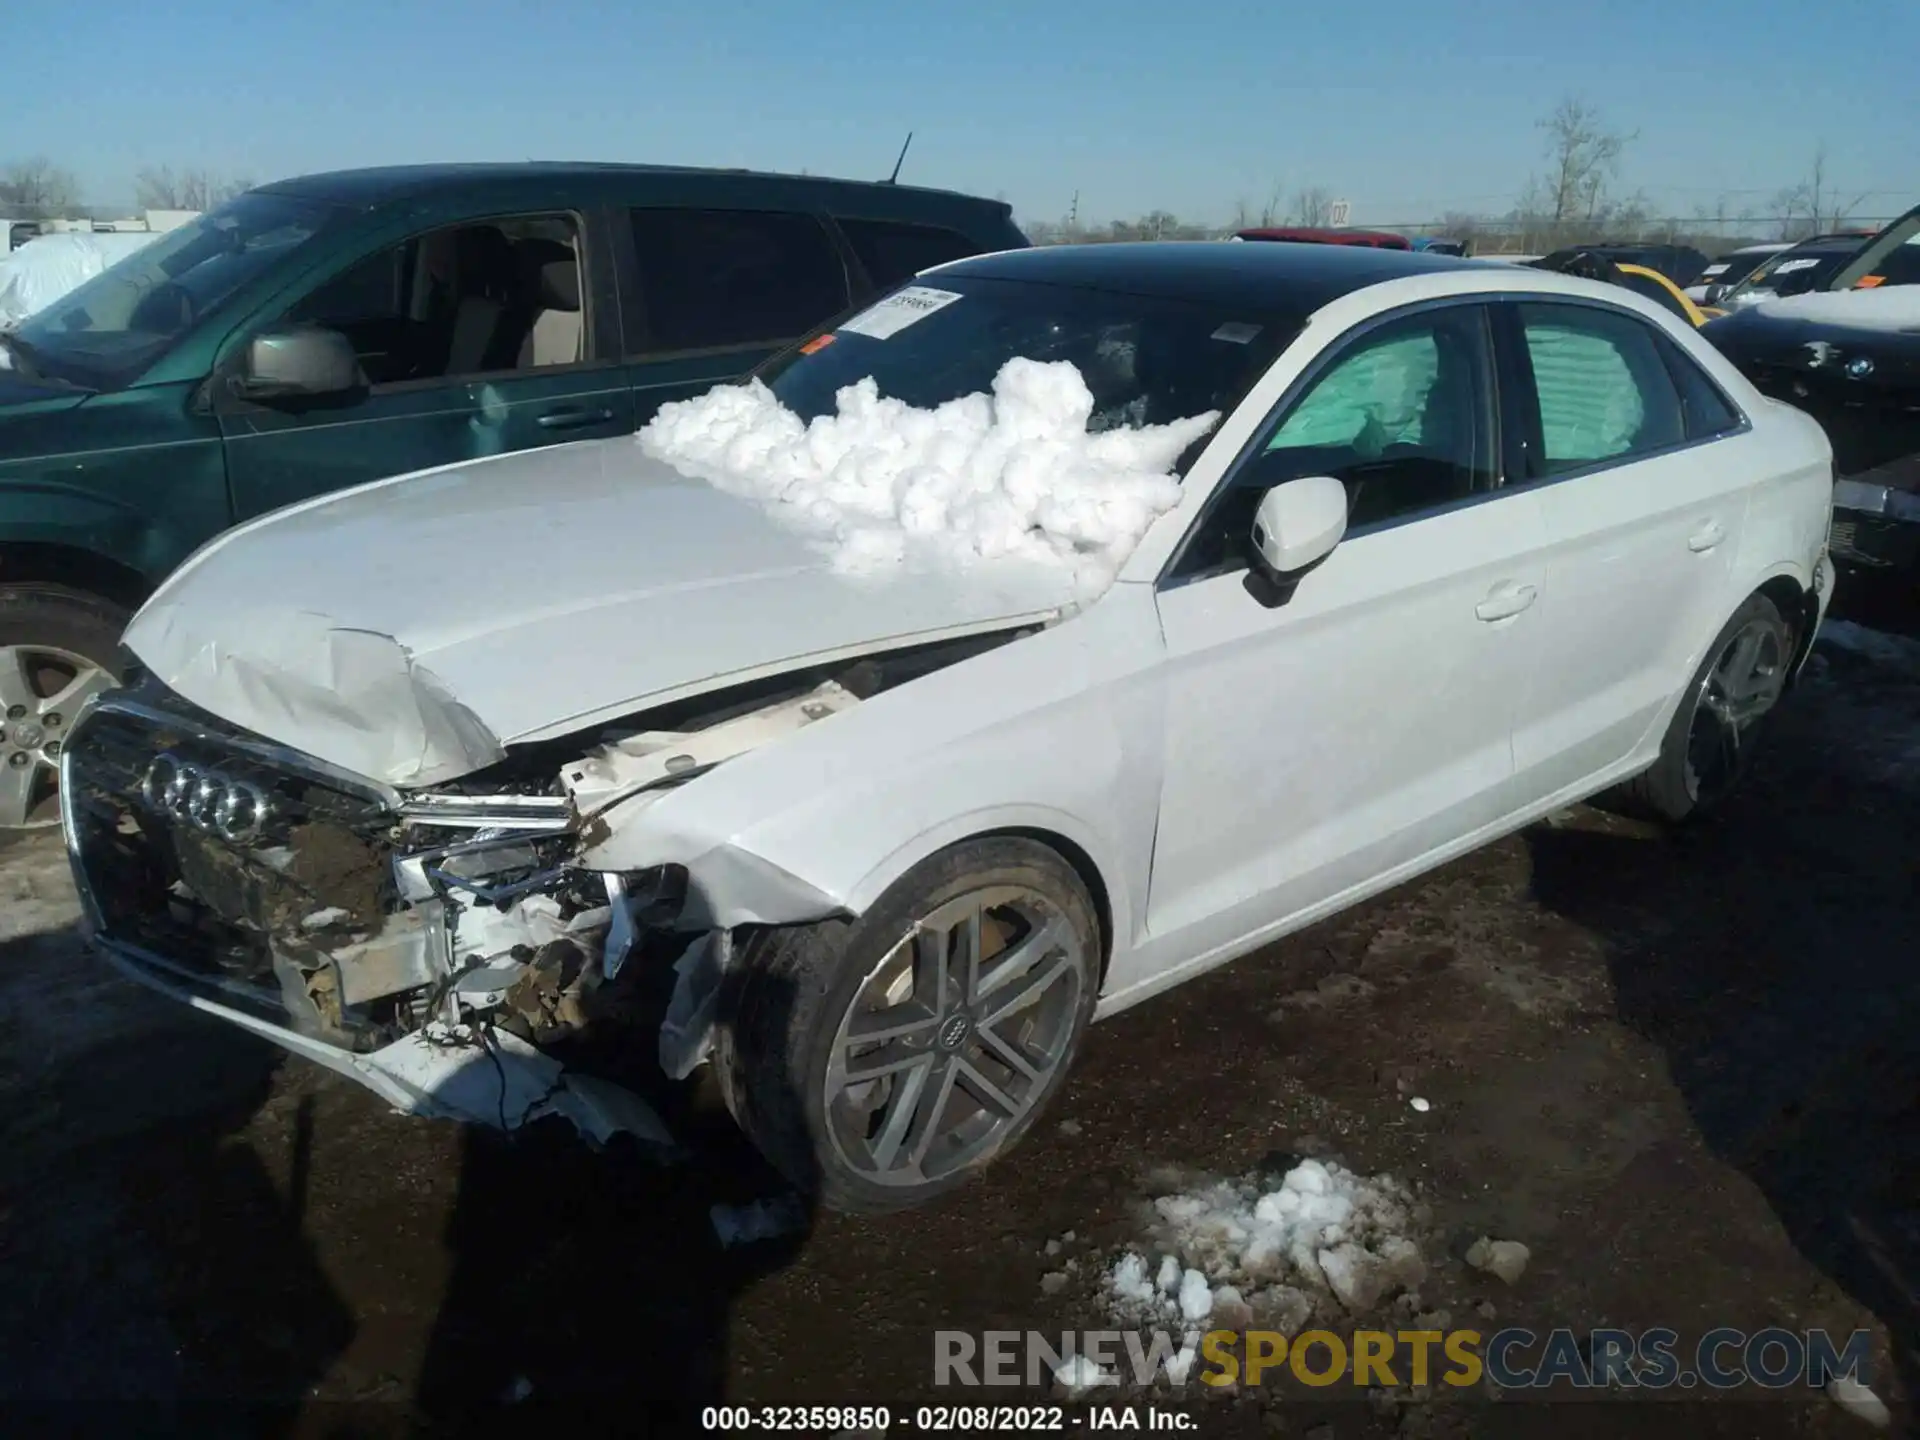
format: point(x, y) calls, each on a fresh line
point(1057, 831)
point(73, 567)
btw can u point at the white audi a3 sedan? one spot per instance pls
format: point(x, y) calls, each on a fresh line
point(1068, 623)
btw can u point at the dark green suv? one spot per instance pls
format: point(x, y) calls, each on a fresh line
point(321, 332)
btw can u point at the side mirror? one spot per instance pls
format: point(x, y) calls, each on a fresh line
point(1295, 527)
point(307, 362)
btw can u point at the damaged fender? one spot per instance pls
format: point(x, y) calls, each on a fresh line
point(819, 824)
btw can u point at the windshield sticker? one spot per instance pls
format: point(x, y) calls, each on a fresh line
point(1790, 265)
point(817, 344)
point(1236, 332)
point(898, 311)
point(1867, 282)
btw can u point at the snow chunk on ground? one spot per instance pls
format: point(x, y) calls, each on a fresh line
point(1322, 1230)
point(1014, 475)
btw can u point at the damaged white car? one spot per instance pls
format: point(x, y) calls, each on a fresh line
point(1068, 623)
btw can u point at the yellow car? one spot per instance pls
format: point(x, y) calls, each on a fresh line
point(1662, 291)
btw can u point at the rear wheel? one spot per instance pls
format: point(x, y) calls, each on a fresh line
point(1713, 733)
point(57, 648)
point(883, 1061)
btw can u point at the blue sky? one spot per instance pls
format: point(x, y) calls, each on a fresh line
point(1408, 107)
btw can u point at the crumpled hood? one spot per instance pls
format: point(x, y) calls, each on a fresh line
point(409, 630)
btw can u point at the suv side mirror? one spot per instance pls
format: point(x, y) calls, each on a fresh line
point(304, 362)
point(1295, 527)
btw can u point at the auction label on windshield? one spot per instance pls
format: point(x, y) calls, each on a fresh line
point(899, 310)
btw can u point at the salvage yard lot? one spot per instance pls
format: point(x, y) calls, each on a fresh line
point(1681, 1070)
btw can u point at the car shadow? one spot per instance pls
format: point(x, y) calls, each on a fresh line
point(596, 1280)
point(158, 1276)
point(1768, 950)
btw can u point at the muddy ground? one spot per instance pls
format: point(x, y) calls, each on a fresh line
point(1682, 1070)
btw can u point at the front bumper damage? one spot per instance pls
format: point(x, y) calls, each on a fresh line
point(445, 948)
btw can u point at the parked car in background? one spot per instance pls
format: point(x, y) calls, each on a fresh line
point(1848, 352)
point(322, 332)
point(1429, 548)
point(15, 233)
point(1799, 268)
point(1730, 269)
point(1439, 245)
point(1648, 283)
point(1310, 235)
point(36, 275)
point(1682, 264)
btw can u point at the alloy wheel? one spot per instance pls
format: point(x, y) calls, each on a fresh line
point(1743, 684)
point(41, 691)
point(954, 1037)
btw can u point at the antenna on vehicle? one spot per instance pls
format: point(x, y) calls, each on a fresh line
point(894, 178)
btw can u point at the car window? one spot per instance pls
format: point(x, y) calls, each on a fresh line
point(714, 278)
point(1704, 408)
point(1402, 415)
point(486, 298)
point(1900, 266)
point(1604, 389)
point(891, 251)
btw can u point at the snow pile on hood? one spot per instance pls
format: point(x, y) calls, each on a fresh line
point(1889, 307)
point(1014, 475)
point(1273, 1253)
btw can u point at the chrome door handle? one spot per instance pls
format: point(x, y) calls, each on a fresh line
point(1706, 537)
point(573, 419)
point(1506, 601)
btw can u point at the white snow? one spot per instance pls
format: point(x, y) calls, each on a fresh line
point(1078, 1373)
point(1009, 476)
point(1322, 1229)
point(1850, 1395)
point(1196, 1296)
point(1421, 1104)
point(1890, 307)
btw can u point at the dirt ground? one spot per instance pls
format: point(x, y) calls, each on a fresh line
point(1680, 1069)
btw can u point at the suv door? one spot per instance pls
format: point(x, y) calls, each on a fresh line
point(1315, 748)
point(476, 339)
point(719, 290)
point(1634, 455)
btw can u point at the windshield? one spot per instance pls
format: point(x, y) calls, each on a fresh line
point(1891, 258)
point(105, 332)
point(1147, 361)
point(1793, 272)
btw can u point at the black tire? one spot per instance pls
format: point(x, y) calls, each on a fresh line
point(1671, 789)
point(788, 990)
point(61, 619)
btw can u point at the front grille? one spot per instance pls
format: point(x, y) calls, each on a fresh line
point(202, 885)
point(1840, 537)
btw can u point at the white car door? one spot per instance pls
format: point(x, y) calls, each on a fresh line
point(1643, 508)
point(1317, 746)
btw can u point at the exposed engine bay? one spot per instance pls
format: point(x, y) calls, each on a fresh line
point(430, 933)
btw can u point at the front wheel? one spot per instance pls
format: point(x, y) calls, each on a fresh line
point(883, 1061)
point(1713, 733)
point(58, 647)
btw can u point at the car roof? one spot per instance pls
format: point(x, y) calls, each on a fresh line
point(1295, 278)
point(384, 184)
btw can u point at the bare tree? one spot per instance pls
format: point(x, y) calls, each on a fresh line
point(1814, 206)
point(161, 188)
point(37, 190)
point(1583, 162)
point(1270, 212)
point(1312, 206)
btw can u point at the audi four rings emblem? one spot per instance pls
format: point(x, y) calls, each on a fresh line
point(235, 810)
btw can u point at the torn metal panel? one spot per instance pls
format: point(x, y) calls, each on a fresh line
point(355, 698)
point(686, 1035)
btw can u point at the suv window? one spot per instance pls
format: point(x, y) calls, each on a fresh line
point(715, 278)
point(472, 299)
point(1604, 389)
point(891, 251)
point(1705, 409)
point(1403, 416)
